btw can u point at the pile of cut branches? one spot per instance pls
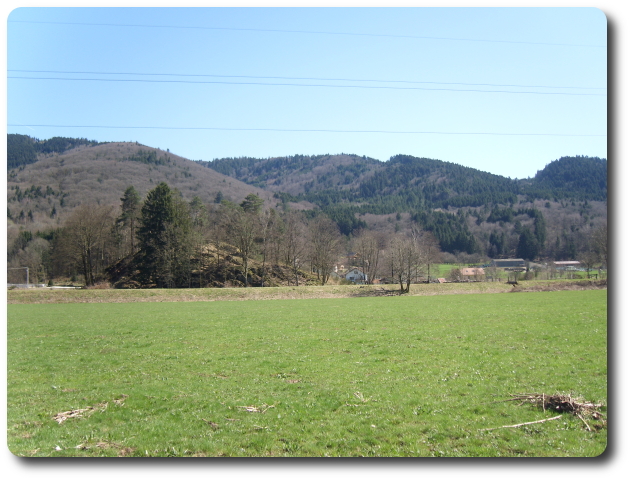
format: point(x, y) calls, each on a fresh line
point(561, 404)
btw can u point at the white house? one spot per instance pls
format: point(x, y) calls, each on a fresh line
point(356, 275)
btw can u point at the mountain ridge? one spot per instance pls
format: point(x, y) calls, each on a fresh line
point(468, 209)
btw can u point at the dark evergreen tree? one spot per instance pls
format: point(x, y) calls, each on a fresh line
point(540, 229)
point(527, 245)
point(129, 217)
point(156, 214)
point(175, 265)
point(252, 203)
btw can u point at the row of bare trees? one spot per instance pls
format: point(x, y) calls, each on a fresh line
point(168, 242)
point(412, 257)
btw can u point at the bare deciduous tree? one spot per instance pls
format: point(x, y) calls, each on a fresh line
point(200, 234)
point(405, 260)
point(243, 227)
point(429, 249)
point(600, 242)
point(294, 242)
point(267, 222)
point(85, 238)
point(325, 244)
point(369, 246)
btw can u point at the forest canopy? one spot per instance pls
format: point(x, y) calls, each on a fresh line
point(23, 150)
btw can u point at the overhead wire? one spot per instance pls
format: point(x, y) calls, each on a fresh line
point(310, 85)
point(386, 35)
point(311, 130)
point(305, 78)
point(371, 87)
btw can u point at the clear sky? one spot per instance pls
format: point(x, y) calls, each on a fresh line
point(504, 90)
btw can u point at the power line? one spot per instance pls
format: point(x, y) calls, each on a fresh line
point(372, 87)
point(419, 37)
point(308, 130)
point(305, 78)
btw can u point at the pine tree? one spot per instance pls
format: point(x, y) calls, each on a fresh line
point(129, 218)
point(527, 245)
point(156, 214)
point(252, 203)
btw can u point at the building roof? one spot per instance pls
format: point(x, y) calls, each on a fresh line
point(508, 262)
point(567, 262)
point(355, 271)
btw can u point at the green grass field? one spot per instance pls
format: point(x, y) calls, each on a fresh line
point(373, 376)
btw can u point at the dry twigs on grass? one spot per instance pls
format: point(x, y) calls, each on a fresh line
point(120, 401)
point(254, 409)
point(87, 446)
point(526, 423)
point(211, 423)
point(86, 412)
point(360, 396)
point(557, 403)
point(79, 412)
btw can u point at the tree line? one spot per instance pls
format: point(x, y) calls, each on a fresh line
point(165, 241)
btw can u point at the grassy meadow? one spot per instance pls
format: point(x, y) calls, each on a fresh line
point(366, 376)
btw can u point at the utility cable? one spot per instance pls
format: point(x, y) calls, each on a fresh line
point(309, 130)
point(304, 78)
point(372, 87)
point(385, 35)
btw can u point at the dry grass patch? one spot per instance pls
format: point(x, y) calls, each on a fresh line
point(48, 295)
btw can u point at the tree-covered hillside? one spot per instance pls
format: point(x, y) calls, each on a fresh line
point(23, 150)
point(20, 151)
point(579, 178)
point(406, 182)
point(467, 211)
point(297, 174)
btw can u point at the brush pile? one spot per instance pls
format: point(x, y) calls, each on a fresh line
point(561, 404)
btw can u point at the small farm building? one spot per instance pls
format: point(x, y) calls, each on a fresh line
point(508, 262)
point(473, 272)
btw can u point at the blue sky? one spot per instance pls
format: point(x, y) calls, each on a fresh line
point(504, 90)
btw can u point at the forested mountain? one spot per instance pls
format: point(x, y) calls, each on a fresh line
point(469, 212)
point(578, 178)
point(298, 174)
point(349, 187)
point(23, 150)
point(417, 182)
point(42, 195)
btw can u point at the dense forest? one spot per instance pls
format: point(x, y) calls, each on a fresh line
point(406, 182)
point(23, 150)
point(441, 196)
point(470, 215)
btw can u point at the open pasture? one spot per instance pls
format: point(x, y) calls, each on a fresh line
point(372, 376)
